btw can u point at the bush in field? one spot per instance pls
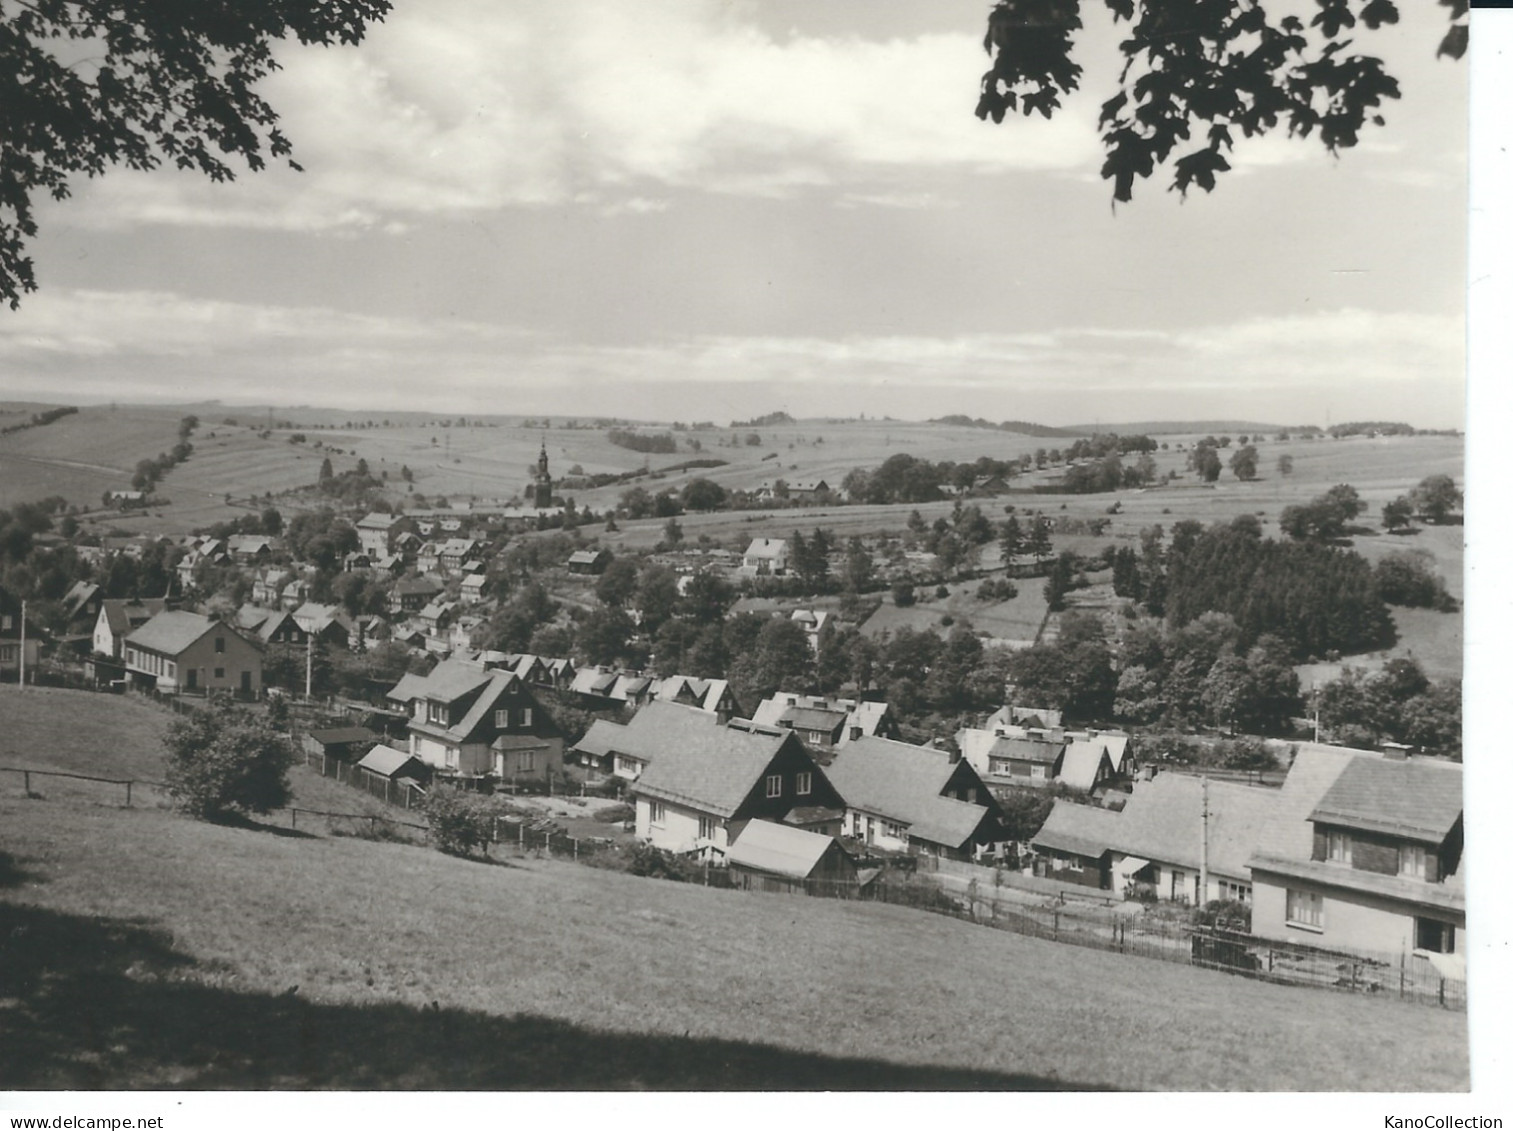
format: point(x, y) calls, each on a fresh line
point(460, 822)
point(648, 861)
point(227, 760)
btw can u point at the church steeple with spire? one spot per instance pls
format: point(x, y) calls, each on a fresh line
point(542, 493)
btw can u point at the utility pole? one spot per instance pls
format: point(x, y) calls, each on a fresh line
point(1203, 852)
point(21, 671)
point(309, 660)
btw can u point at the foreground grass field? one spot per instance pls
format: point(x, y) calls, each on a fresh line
point(142, 949)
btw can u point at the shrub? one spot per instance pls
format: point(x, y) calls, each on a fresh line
point(460, 822)
point(903, 595)
point(648, 861)
point(226, 760)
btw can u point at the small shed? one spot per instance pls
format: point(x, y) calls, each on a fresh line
point(588, 561)
point(346, 744)
point(773, 857)
point(391, 765)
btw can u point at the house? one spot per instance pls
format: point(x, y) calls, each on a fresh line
point(1076, 841)
point(917, 799)
point(712, 695)
point(329, 624)
point(605, 687)
point(354, 561)
point(812, 621)
point(778, 857)
point(1012, 716)
point(294, 594)
point(437, 616)
point(454, 551)
point(1086, 765)
point(247, 548)
point(1031, 759)
point(588, 561)
point(273, 626)
point(623, 750)
point(805, 490)
point(706, 780)
point(1170, 831)
point(471, 591)
point(411, 594)
point(815, 716)
point(117, 619)
point(178, 651)
point(376, 533)
point(268, 584)
point(467, 720)
point(1363, 854)
point(13, 628)
point(766, 556)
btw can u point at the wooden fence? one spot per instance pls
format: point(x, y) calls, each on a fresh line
point(27, 773)
point(1406, 976)
point(387, 790)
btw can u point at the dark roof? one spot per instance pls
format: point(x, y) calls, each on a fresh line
point(342, 736)
point(812, 718)
point(1417, 798)
point(1028, 750)
point(123, 615)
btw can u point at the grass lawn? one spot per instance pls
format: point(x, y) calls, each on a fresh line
point(157, 951)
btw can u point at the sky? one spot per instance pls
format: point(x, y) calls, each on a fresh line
point(711, 209)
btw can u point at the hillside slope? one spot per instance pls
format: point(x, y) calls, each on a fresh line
point(143, 949)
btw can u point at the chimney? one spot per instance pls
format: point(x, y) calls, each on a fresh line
point(856, 732)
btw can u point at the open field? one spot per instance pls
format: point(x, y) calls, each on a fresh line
point(142, 949)
point(119, 736)
point(161, 952)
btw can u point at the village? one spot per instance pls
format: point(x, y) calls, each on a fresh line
point(477, 651)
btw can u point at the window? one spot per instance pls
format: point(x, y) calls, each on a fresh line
point(1305, 909)
point(1339, 847)
point(220, 644)
point(528, 762)
point(1432, 935)
point(1238, 893)
point(6, 622)
point(1411, 860)
point(525, 716)
point(1037, 771)
point(220, 673)
point(436, 712)
point(774, 785)
point(707, 826)
point(801, 784)
point(897, 832)
point(173, 670)
point(658, 813)
point(1073, 864)
point(502, 718)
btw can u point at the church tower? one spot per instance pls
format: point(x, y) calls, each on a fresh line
point(541, 495)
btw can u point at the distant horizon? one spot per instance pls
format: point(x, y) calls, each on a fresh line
point(1173, 424)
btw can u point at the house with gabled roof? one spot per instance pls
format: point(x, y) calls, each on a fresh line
point(1169, 831)
point(329, 624)
point(246, 548)
point(473, 722)
point(1086, 765)
point(588, 561)
point(827, 721)
point(1076, 843)
point(180, 651)
point(411, 594)
point(268, 585)
point(766, 556)
point(713, 695)
point(705, 781)
point(904, 798)
point(117, 618)
point(1364, 854)
point(624, 750)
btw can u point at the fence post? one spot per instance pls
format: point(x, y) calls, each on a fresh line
point(294, 818)
point(1056, 924)
point(373, 826)
point(128, 794)
point(522, 836)
point(26, 782)
point(575, 846)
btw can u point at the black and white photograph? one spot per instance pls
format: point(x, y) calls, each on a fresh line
point(756, 546)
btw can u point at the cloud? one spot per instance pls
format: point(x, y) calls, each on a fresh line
point(120, 345)
point(453, 107)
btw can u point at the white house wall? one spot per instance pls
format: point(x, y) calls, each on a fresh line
point(678, 831)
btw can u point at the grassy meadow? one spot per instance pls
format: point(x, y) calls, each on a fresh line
point(142, 949)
